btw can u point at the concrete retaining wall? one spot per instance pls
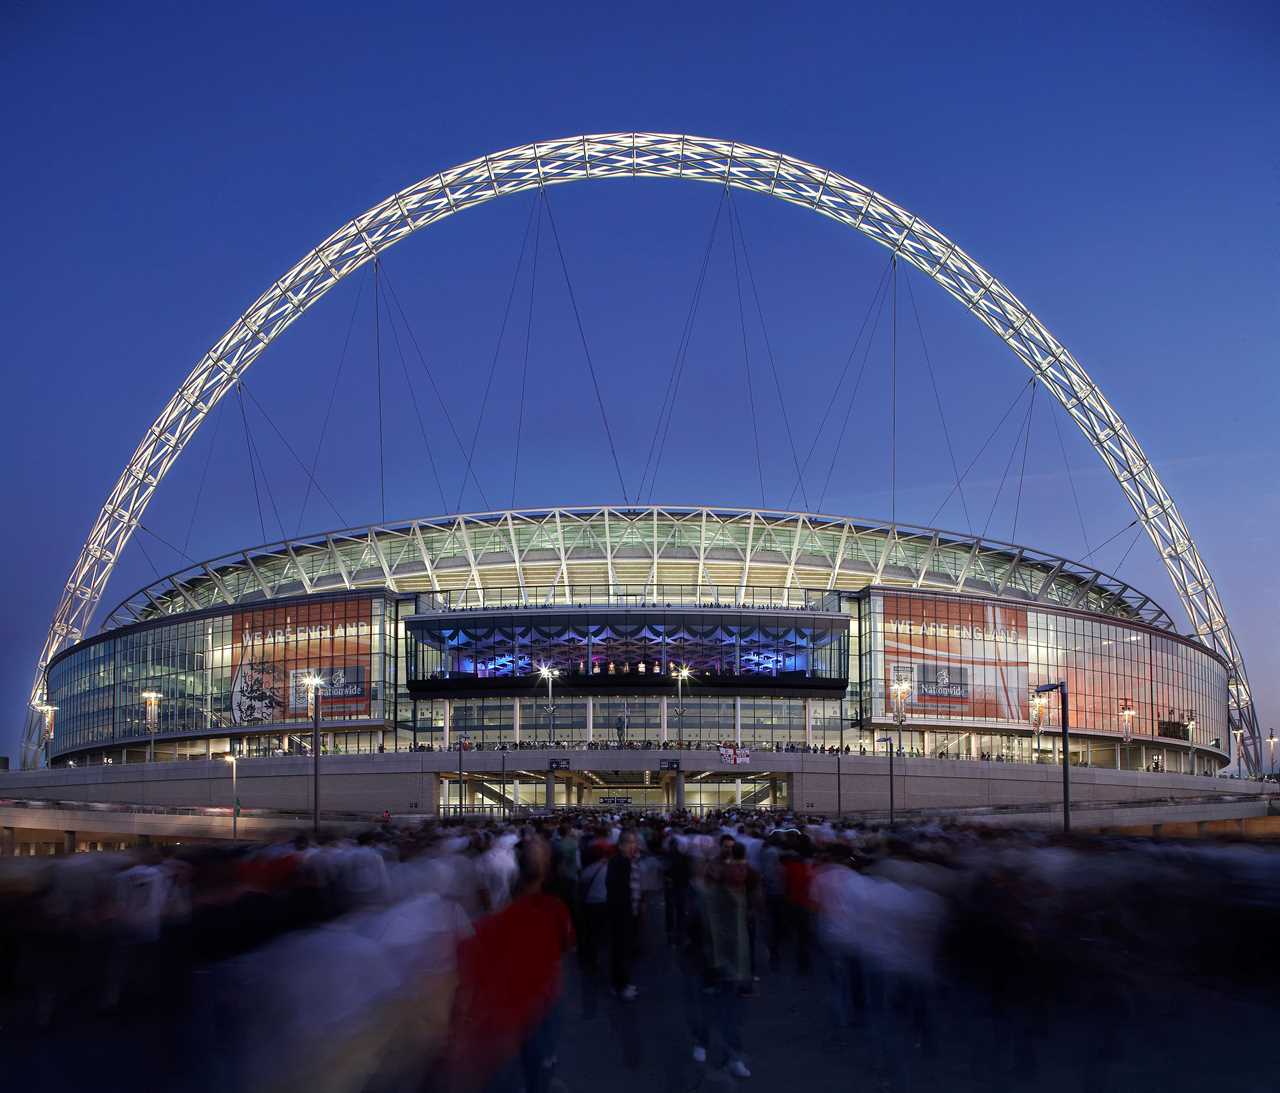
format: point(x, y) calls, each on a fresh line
point(408, 782)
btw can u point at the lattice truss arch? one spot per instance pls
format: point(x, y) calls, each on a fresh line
point(646, 155)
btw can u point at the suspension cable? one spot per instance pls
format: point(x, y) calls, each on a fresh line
point(377, 353)
point(1109, 539)
point(893, 392)
point(1026, 444)
point(253, 471)
point(534, 207)
point(528, 338)
point(990, 437)
point(768, 345)
point(1071, 479)
point(1013, 451)
point(147, 554)
point(256, 453)
point(853, 396)
point(417, 411)
point(165, 542)
point(835, 394)
point(333, 395)
point(680, 361)
point(204, 475)
point(937, 401)
point(289, 447)
point(1125, 556)
point(444, 408)
point(746, 353)
point(586, 349)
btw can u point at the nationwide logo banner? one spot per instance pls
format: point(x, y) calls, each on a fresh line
point(957, 658)
point(734, 756)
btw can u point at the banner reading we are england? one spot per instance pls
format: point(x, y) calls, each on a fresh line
point(961, 659)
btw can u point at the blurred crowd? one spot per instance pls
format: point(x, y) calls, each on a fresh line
point(449, 957)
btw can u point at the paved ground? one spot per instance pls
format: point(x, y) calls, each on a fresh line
point(794, 1044)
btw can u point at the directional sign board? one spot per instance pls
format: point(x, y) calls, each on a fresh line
point(614, 800)
point(557, 764)
point(668, 764)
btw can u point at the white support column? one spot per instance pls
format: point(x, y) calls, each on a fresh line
point(737, 720)
point(808, 722)
point(446, 722)
point(591, 719)
point(738, 791)
point(515, 718)
point(662, 718)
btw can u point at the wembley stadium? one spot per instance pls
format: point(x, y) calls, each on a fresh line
point(645, 628)
point(678, 655)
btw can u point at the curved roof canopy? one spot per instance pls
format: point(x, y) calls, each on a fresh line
point(566, 555)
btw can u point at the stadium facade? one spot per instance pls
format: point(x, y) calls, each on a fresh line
point(679, 628)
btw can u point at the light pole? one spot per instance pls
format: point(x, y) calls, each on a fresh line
point(1038, 704)
point(549, 674)
point(314, 682)
point(1237, 733)
point(1191, 738)
point(1127, 714)
point(889, 741)
point(682, 674)
point(235, 796)
point(461, 740)
point(901, 691)
point(1061, 688)
point(152, 700)
point(1271, 763)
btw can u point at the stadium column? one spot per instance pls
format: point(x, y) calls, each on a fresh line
point(662, 719)
point(515, 718)
point(551, 789)
point(808, 722)
point(68, 842)
point(591, 723)
point(679, 789)
point(8, 847)
point(447, 712)
point(737, 721)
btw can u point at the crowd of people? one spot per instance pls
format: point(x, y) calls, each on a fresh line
point(455, 956)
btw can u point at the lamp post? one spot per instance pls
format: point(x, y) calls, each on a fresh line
point(682, 674)
point(461, 741)
point(889, 741)
point(549, 674)
point(314, 682)
point(1061, 688)
point(901, 691)
point(1191, 738)
point(1038, 705)
point(235, 796)
point(1127, 714)
point(1237, 733)
point(1271, 763)
point(152, 700)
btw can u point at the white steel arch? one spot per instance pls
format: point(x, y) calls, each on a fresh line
point(644, 155)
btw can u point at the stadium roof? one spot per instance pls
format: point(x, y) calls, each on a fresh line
point(541, 555)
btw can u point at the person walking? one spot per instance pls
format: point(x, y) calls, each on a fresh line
point(623, 895)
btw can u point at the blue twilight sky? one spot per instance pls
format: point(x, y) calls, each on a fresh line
point(1118, 166)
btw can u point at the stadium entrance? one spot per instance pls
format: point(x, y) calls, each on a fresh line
point(608, 790)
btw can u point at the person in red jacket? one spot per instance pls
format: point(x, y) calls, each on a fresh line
point(509, 985)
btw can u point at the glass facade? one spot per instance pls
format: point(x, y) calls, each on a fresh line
point(221, 674)
point(973, 662)
point(636, 647)
point(406, 670)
